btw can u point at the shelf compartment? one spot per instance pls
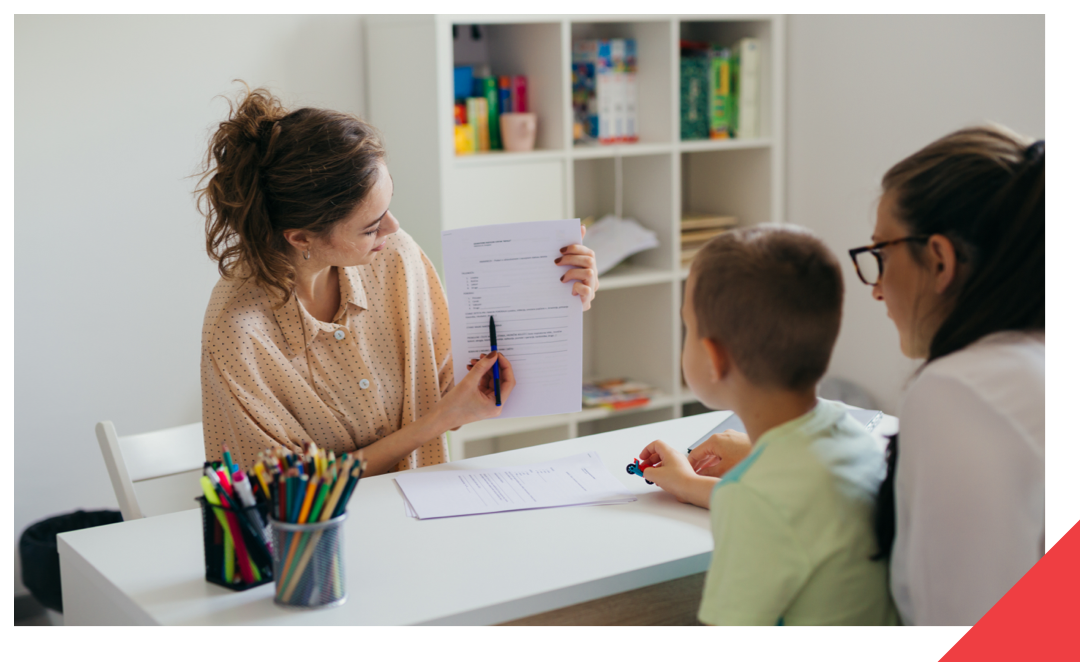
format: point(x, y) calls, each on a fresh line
point(647, 197)
point(735, 183)
point(533, 50)
point(655, 51)
point(497, 192)
point(727, 33)
point(632, 322)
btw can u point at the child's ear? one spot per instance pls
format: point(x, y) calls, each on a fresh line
point(719, 359)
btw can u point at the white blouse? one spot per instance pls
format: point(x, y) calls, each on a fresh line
point(970, 479)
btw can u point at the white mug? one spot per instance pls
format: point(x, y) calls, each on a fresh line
point(518, 131)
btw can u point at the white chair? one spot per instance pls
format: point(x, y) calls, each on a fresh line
point(154, 473)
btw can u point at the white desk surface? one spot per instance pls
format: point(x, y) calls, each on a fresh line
point(474, 570)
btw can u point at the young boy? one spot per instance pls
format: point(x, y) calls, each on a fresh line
point(792, 521)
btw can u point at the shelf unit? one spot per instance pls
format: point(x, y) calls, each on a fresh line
point(634, 329)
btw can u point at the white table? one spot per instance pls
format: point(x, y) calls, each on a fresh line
point(476, 570)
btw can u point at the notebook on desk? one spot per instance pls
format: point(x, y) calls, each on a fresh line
point(868, 417)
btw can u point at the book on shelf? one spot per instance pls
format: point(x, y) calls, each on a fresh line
point(720, 101)
point(746, 79)
point(489, 86)
point(703, 221)
point(616, 394)
point(604, 90)
point(478, 118)
point(698, 229)
point(693, 96)
point(723, 83)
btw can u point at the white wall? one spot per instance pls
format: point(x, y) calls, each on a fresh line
point(112, 115)
point(864, 92)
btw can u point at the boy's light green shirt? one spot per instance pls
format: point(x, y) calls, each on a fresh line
point(793, 529)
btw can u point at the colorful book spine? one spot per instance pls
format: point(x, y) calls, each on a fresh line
point(519, 95)
point(747, 87)
point(478, 119)
point(491, 93)
point(505, 104)
point(693, 98)
point(720, 101)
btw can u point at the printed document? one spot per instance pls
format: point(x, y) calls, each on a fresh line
point(509, 272)
point(578, 480)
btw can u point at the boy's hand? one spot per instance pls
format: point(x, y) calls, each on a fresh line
point(719, 453)
point(672, 473)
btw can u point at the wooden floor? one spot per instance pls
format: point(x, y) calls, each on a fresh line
point(668, 603)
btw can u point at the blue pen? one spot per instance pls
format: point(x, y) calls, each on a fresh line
point(495, 368)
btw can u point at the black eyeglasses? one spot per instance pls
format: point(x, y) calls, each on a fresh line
point(867, 259)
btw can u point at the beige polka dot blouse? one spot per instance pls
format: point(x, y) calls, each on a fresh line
point(281, 377)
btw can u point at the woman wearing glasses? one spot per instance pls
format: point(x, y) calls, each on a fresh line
point(959, 260)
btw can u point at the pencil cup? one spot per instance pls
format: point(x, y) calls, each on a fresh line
point(309, 567)
point(237, 545)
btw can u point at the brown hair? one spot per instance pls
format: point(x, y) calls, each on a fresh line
point(773, 295)
point(984, 188)
point(269, 170)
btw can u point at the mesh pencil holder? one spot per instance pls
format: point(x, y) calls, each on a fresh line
point(309, 563)
point(225, 559)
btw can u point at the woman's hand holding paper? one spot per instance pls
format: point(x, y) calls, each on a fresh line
point(583, 261)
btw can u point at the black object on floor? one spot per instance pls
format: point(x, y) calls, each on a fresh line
point(41, 561)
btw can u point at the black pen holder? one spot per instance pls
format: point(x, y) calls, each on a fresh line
point(222, 528)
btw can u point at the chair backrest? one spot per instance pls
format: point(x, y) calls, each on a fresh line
point(154, 473)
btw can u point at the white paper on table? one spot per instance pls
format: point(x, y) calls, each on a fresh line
point(614, 239)
point(509, 272)
point(571, 481)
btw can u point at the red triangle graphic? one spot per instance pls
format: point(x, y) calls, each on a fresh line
point(1035, 619)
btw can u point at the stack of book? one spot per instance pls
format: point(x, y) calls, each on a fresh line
point(616, 394)
point(477, 108)
point(719, 89)
point(698, 228)
point(604, 91)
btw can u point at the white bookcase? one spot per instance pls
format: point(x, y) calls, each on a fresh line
point(634, 329)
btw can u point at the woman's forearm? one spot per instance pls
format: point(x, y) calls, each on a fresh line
point(384, 454)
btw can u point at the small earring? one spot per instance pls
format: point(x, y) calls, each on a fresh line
point(307, 255)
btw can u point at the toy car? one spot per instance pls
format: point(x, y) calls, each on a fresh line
point(636, 468)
